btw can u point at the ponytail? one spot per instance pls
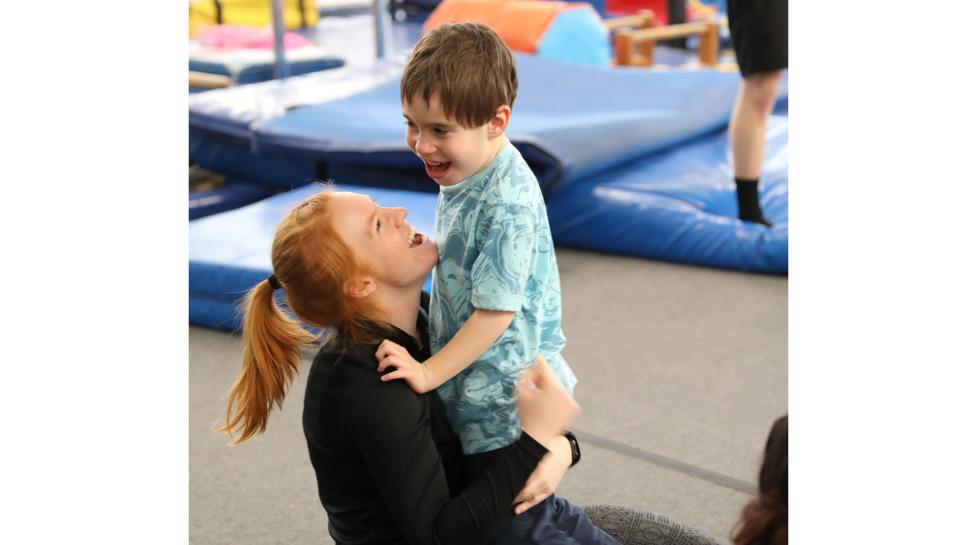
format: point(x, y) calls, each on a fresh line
point(311, 262)
point(272, 343)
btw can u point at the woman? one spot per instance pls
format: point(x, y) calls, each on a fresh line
point(388, 467)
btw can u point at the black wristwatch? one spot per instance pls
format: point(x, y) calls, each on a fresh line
point(574, 448)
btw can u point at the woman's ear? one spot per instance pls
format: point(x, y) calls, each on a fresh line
point(359, 287)
point(500, 122)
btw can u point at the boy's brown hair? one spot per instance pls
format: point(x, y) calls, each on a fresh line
point(468, 66)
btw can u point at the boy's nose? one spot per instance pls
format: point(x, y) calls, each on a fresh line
point(423, 146)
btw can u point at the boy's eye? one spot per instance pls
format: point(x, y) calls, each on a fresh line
point(440, 132)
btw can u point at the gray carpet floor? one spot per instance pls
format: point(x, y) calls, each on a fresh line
point(682, 371)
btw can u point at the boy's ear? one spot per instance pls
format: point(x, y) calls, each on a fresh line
point(500, 122)
point(359, 287)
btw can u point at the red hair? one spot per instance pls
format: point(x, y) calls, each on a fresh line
point(312, 263)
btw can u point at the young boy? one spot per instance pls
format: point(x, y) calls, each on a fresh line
point(495, 301)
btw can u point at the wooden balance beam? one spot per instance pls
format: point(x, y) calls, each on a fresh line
point(645, 18)
point(637, 47)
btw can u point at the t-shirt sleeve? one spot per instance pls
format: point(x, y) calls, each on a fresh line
point(505, 257)
point(392, 431)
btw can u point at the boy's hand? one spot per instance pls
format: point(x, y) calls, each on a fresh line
point(391, 354)
point(548, 474)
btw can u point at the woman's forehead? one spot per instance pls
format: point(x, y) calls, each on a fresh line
point(357, 209)
point(358, 200)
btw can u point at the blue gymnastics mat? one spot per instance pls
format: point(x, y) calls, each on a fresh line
point(625, 148)
point(245, 66)
point(569, 122)
point(680, 205)
point(230, 252)
point(221, 120)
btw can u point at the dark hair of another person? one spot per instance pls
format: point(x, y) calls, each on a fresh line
point(764, 518)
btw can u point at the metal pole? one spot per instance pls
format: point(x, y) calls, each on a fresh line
point(381, 25)
point(278, 19)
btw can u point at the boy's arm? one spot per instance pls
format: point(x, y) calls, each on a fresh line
point(499, 275)
point(472, 340)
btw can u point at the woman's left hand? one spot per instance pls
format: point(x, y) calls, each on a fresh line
point(548, 474)
point(391, 354)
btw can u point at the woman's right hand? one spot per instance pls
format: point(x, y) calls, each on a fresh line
point(546, 408)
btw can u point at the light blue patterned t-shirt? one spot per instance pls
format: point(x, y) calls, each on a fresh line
point(495, 252)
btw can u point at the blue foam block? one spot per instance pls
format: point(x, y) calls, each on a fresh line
point(231, 252)
point(577, 36)
point(680, 205)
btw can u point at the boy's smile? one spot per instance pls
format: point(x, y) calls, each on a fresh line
point(437, 170)
point(451, 152)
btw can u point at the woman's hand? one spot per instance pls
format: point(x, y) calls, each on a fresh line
point(545, 407)
point(391, 354)
point(547, 476)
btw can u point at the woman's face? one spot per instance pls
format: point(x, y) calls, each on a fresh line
point(383, 240)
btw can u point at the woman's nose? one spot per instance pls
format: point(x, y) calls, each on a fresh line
point(400, 215)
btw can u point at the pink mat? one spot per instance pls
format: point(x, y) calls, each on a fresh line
point(245, 37)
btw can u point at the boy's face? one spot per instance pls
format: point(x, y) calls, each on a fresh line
point(450, 151)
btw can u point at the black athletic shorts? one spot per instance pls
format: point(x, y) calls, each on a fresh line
point(759, 32)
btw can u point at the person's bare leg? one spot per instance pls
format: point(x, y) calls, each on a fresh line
point(747, 133)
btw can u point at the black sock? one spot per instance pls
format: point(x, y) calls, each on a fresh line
point(748, 198)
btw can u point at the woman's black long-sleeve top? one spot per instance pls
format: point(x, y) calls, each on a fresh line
point(388, 466)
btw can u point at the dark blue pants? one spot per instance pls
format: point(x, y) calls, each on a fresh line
point(553, 521)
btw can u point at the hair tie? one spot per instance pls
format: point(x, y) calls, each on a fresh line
point(274, 282)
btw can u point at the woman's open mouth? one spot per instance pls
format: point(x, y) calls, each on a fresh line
point(415, 239)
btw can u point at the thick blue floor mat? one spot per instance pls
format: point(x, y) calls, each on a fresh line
point(231, 252)
point(680, 205)
point(221, 121)
point(569, 121)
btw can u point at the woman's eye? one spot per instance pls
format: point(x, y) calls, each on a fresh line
point(378, 226)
